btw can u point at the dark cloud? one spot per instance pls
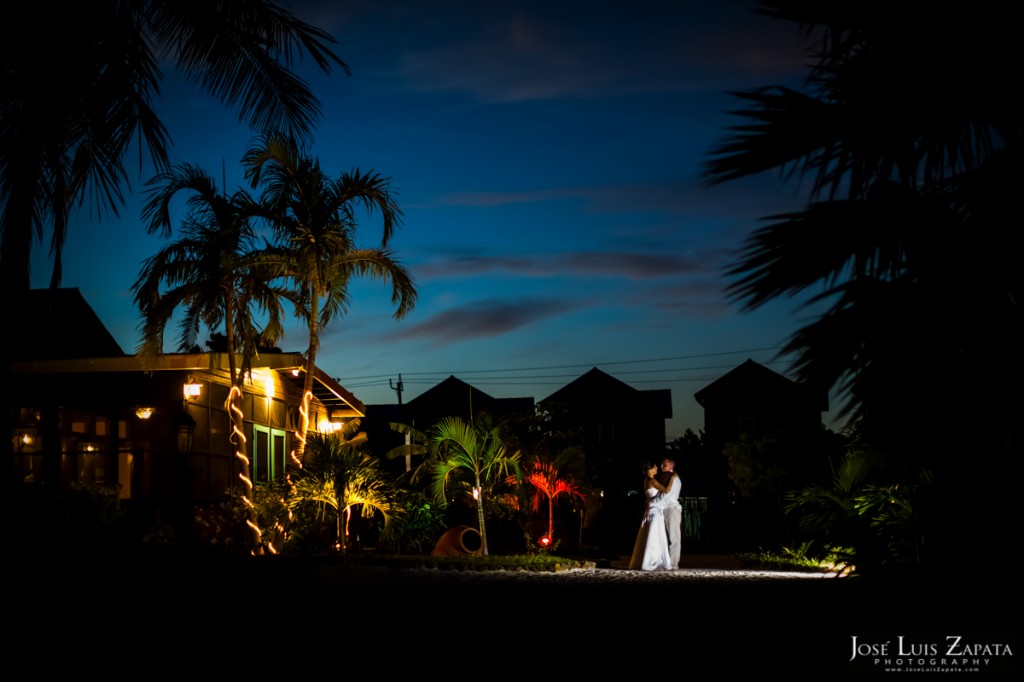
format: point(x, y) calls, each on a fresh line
point(629, 265)
point(495, 199)
point(692, 198)
point(470, 265)
point(483, 319)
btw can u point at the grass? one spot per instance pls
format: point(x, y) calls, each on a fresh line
point(832, 560)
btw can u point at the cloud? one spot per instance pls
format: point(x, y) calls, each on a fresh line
point(745, 199)
point(495, 199)
point(628, 265)
point(482, 319)
point(472, 265)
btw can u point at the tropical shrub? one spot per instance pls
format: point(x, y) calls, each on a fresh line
point(416, 527)
point(339, 476)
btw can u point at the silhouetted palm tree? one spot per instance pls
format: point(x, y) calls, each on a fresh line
point(902, 113)
point(74, 103)
point(314, 217)
point(894, 93)
point(214, 274)
point(909, 134)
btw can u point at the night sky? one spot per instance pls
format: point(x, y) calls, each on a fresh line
point(547, 157)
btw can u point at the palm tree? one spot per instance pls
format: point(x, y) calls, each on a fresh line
point(315, 218)
point(869, 508)
point(341, 474)
point(417, 443)
point(212, 273)
point(476, 452)
point(900, 122)
point(910, 135)
point(554, 477)
point(70, 114)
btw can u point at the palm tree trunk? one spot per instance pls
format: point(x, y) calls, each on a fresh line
point(238, 431)
point(551, 520)
point(307, 384)
point(480, 517)
point(245, 471)
point(341, 529)
point(348, 519)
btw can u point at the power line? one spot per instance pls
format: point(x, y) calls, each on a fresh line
point(533, 378)
point(463, 373)
point(432, 378)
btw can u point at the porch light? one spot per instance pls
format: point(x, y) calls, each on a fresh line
point(328, 426)
point(192, 389)
point(143, 412)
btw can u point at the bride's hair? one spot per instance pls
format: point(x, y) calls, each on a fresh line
point(648, 465)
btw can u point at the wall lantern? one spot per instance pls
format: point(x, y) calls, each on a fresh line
point(329, 426)
point(192, 389)
point(143, 412)
point(186, 427)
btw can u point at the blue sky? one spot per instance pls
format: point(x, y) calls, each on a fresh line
point(546, 156)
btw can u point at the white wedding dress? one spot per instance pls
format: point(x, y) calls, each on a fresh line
point(650, 553)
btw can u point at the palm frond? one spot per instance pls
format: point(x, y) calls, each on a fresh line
point(240, 53)
point(65, 144)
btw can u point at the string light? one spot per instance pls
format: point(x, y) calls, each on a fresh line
point(300, 433)
point(239, 441)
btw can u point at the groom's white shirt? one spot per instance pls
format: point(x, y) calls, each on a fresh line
point(672, 495)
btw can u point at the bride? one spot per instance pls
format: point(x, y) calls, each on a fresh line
point(650, 553)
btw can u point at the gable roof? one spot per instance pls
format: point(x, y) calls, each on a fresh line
point(62, 333)
point(452, 391)
point(58, 324)
point(455, 397)
point(752, 375)
point(600, 389)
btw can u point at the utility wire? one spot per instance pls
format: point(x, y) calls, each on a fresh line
point(464, 373)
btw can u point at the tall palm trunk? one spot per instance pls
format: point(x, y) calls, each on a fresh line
point(480, 516)
point(238, 439)
point(342, 509)
point(342, 533)
point(551, 518)
point(307, 384)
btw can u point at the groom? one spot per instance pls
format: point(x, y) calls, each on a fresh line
point(673, 511)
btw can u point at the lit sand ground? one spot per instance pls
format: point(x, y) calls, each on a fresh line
point(712, 568)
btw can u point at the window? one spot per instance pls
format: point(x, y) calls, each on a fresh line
point(268, 454)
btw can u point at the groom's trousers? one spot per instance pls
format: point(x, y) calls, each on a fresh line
point(674, 526)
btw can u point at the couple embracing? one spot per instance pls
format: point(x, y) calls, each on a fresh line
point(658, 542)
